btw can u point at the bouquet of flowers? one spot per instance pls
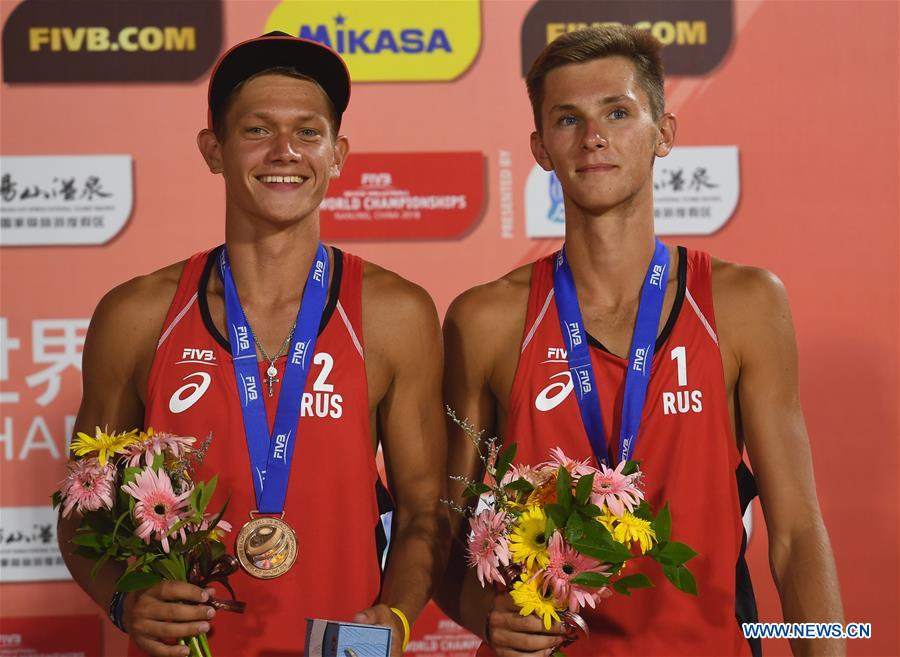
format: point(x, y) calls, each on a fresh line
point(140, 506)
point(559, 534)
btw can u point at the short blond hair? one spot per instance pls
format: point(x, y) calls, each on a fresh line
point(639, 46)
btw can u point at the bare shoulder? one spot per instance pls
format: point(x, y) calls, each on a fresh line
point(751, 308)
point(129, 318)
point(494, 309)
point(390, 300)
point(746, 291)
point(483, 331)
point(142, 299)
point(119, 348)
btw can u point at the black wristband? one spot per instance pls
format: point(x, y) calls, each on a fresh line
point(116, 607)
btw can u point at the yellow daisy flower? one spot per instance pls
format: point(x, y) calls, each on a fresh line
point(528, 541)
point(630, 528)
point(530, 600)
point(104, 444)
point(608, 520)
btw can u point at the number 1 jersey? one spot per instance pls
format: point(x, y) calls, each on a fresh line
point(687, 452)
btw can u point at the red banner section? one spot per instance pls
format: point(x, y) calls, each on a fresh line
point(405, 196)
point(46, 636)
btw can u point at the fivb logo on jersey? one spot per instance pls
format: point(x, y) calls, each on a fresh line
point(395, 41)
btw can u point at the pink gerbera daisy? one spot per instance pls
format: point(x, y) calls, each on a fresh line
point(617, 491)
point(88, 486)
point(151, 443)
point(566, 563)
point(526, 472)
point(217, 532)
point(488, 545)
point(158, 507)
point(559, 459)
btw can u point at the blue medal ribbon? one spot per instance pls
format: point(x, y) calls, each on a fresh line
point(271, 454)
point(640, 357)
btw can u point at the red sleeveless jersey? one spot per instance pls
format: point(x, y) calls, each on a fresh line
point(687, 452)
point(331, 498)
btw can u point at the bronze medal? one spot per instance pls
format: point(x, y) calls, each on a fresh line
point(266, 547)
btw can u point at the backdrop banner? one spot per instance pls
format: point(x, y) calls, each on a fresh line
point(786, 159)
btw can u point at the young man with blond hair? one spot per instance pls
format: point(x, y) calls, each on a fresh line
point(274, 341)
point(550, 356)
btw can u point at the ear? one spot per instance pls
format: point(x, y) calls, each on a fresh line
point(665, 138)
point(539, 152)
point(341, 149)
point(211, 150)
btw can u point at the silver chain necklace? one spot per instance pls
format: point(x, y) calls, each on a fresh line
point(272, 371)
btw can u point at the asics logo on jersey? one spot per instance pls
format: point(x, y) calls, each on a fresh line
point(190, 393)
point(640, 360)
point(574, 333)
point(250, 391)
point(298, 357)
point(241, 337)
point(656, 276)
point(281, 447)
point(554, 394)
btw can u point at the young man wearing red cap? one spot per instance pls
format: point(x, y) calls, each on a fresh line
point(559, 353)
point(296, 401)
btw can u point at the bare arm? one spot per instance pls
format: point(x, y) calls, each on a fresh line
point(467, 392)
point(402, 337)
point(124, 326)
point(109, 399)
point(482, 332)
point(764, 349)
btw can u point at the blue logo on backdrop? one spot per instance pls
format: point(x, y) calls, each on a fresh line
point(557, 211)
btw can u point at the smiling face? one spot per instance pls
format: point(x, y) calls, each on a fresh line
point(599, 136)
point(278, 151)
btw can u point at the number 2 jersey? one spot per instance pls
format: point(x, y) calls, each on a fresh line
point(332, 502)
point(688, 455)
